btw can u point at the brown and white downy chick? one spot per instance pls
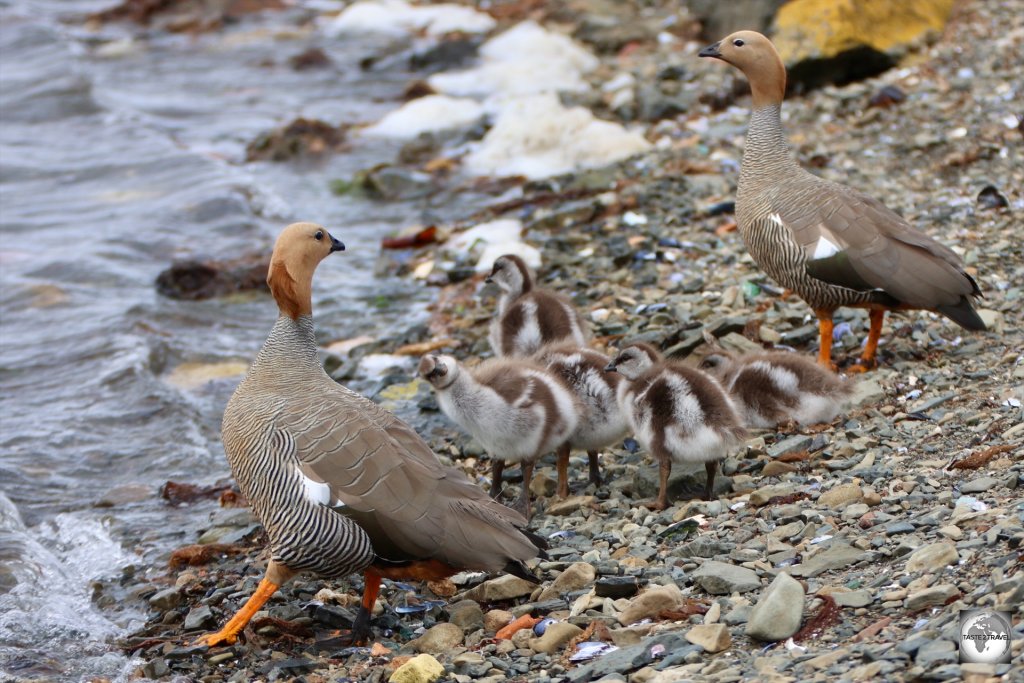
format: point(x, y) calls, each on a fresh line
point(515, 408)
point(602, 422)
point(775, 387)
point(678, 413)
point(529, 317)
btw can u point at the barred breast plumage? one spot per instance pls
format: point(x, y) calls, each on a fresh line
point(339, 483)
point(831, 245)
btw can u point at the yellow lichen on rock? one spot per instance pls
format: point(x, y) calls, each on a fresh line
point(420, 669)
point(816, 29)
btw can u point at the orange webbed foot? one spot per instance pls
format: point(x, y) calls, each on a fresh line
point(217, 639)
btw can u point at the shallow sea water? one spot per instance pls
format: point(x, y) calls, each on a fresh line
point(122, 148)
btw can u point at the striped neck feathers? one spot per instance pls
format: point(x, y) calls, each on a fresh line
point(766, 152)
point(290, 348)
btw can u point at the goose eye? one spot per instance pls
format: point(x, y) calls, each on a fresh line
point(319, 235)
point(738, 42)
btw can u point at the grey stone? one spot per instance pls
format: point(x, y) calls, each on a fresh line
point(839, 555)
point(800, 442)
point(471, 664)
point(979, 485)
point(935, 595)
point(467, 615)
point(720, 578)
point(705, 546)
point(198, 617)
point(778, 611)
point(555, 636)
point(936, 652)
point(858, 598)
point(631, 658)
point(168, 598)
point(896, 528)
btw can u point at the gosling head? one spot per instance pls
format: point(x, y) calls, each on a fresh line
point(633, 360)
point(511, 275)
point(439, 371)
point(298, 251)
point(756, 56)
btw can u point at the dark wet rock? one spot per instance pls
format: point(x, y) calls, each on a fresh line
point(616, 587)
point(991, 198)
point(301, 139)
point(447, 55)
point(392, 183)
point(167, 599)
point(185, 15)
point(198, 617)
point(311, 58)
point(719, 19)
point(194, 280)
point(887, 96)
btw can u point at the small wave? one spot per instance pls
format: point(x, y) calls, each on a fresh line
point(48, 625)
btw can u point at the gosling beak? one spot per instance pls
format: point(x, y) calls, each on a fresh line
point(336, 245)
point(610, 367)
point(711, 51)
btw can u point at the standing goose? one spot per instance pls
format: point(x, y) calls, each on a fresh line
point(678, 414)
point(828, 243)
point(515, 408)
point(601, 422)
point(529, 317)
point(340, 484)
point(776, 387)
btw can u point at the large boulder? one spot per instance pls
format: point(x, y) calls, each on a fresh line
point(838, 41)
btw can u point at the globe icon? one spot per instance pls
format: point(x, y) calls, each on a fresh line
point(984, 637)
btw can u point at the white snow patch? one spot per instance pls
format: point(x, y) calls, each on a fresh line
point(432, 113)
point(491, 253)
point(523, 60)
point(537, 137)
point(399, 18)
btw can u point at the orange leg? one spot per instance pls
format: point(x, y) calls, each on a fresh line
point(229, 634)
point(825, 338)
point(867, 358)
point(563, 471)
point(371, 589)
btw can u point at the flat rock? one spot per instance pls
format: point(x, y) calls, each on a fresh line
point(167, 599)
point(932, 557)
point(721, 578)
point(762, 495)
point(799, 442)
point(502, 588)
point(979, 485)
point(935, 595)
point(420, 669)
point(837, 556)
point(650, 603)
point(198, 617)
point(711, 637)
point(570, 505)
point(576, 576)
point(847, 598)
point(841, 496)
point(778, 611)
point(555, 637)
point(438, 639)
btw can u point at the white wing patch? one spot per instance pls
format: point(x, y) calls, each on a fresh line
point(825, 248)
point(317, 492)
point(777, 219)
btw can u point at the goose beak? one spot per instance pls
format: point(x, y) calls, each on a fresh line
point(711, 51)
point(336, 245)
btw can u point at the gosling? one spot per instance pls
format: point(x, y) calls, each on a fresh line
point(777, 387)
point(678, 413)
point(602, 422)
point(515, 408)
point(529, 317)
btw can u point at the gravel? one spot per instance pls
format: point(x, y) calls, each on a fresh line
point(881, 510)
